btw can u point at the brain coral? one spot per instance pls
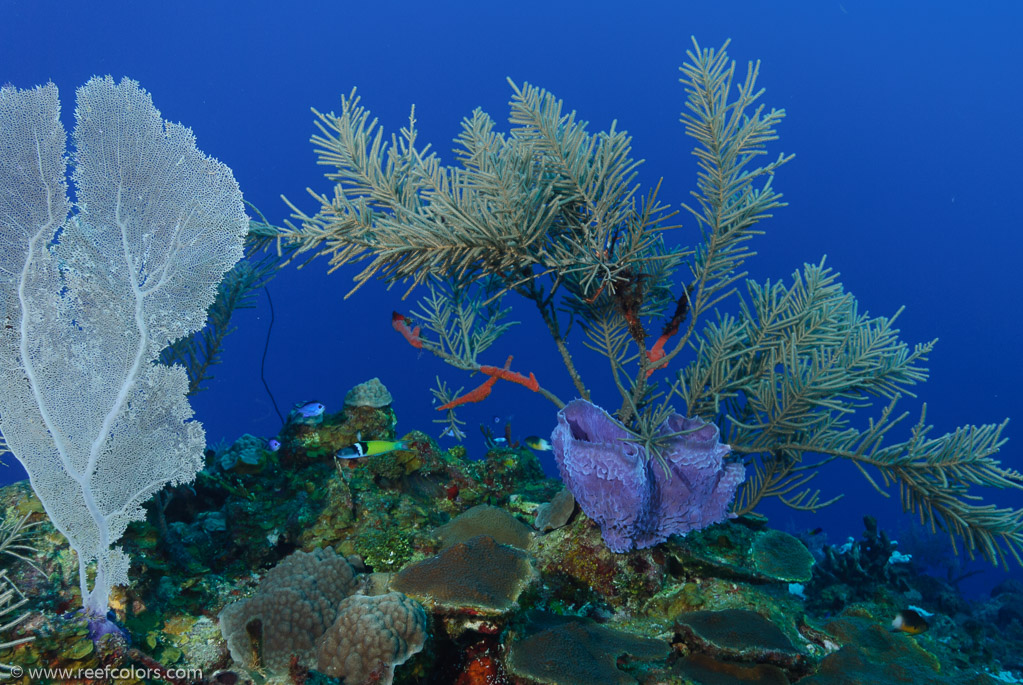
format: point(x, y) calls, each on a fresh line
point(372, 393)
point(370, 637)
point(294, 604)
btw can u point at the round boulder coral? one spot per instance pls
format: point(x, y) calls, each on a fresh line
point(371, 636)
point(294, 604)
point(372, 393)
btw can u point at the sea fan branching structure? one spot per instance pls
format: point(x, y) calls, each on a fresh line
point(201, 351)
point(552, 212)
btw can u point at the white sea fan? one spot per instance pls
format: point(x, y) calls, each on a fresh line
point(87, 302)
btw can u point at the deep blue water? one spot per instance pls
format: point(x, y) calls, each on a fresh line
point(904, 118)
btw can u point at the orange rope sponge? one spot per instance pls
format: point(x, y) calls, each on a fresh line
point(505, 374)
point(400, 324)
point(481, 392)
point(656, 353)
point(477, 394)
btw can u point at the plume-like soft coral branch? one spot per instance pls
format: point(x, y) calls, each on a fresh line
point(400, 324)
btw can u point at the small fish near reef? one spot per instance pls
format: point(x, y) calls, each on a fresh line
point(306, 412)
point(369, 448)
point(539, 444)
point(912, 621)
point(309, 409)
point(273, 444)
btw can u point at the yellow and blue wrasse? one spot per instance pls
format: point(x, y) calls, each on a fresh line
point(910, 621)
point(539, 444)
point(369, 448)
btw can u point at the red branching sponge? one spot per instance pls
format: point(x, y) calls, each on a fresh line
point(481, 392)
point(400, 324)
point(477, 394)
point(505, 374)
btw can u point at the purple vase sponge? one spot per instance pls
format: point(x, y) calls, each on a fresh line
point(627, 492)
point(99, 625)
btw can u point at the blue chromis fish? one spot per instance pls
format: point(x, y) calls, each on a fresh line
point(537, 443)
point(369, 448)
point(273, 444)
point(308, 410)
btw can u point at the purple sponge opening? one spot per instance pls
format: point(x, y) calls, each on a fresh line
point(627, 492)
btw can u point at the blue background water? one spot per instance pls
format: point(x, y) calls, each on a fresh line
point(904, 117)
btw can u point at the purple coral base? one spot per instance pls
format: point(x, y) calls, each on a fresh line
point(101, 626)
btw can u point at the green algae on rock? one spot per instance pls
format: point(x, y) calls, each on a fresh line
point(579, 568)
